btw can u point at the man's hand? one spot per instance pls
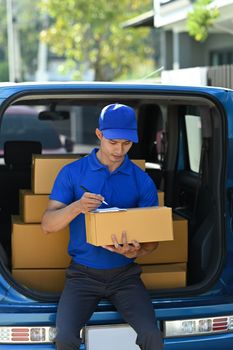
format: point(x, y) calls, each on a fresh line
point(127, 249)
point(130, 250)
point(89, 201)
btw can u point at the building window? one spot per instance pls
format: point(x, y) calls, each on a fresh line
point(221, 57)
point(194, 139)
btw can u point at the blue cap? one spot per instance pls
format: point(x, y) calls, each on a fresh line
point(118, 121)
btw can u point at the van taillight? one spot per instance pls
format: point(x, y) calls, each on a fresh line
point(20, 335)
point(199, 326)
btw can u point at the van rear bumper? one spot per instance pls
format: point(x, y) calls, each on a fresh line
point(27, 346)
point(222, 341)
point(31, 347)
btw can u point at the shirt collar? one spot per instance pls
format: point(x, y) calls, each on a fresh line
point(94, 161)
point(95, 164)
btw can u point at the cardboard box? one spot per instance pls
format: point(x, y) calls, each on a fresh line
point(32, 206)
point(149, 224)
point(171, 251)
point(164, 276)
point(32, 248)
point(45, 169)
point(42, 280)
point(161, 198)
point(140, 162)
point(153, 276)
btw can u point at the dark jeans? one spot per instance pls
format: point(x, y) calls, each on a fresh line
point(123, 287)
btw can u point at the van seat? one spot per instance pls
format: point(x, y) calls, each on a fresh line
point(18, 154)
point(17, 172)
point(14, 175)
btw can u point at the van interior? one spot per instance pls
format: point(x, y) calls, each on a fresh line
point(181, 147)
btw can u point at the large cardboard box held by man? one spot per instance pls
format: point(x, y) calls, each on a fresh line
point(32, 248)
point(149, 224)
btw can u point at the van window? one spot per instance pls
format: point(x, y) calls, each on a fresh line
point(194, 140)
point(21, 123)
point(27, 128)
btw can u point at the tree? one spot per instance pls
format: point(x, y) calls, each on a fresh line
point(201, 19)
point(3, 43)
point(90, 36)
point(28, 24)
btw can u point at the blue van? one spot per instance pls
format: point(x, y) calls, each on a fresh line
point(186, 145)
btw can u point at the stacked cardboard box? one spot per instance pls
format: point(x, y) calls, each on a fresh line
point(39, 260)
point(169, 252)
point(166, 266)
point(32, 206)
point(44, 280)
point(45, 169)
point(161, 198)
point(140, 163)
point(35, 254)
point(164, 276)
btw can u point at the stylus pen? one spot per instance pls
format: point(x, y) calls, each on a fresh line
point(86, 190)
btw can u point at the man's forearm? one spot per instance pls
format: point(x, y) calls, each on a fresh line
point(58, 215)
point(56, 219)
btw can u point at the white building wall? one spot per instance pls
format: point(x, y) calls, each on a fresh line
point(190, 76)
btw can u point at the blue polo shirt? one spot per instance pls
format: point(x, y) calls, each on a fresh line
point(126, 187)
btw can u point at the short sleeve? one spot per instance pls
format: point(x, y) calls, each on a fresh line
point(62, 190)
point(148, 193)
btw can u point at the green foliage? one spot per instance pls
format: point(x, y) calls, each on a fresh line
point(89, 34)
point(201, 19)
point(4, 76)
point(3, 43)
point(29, 26)
point(27, 22)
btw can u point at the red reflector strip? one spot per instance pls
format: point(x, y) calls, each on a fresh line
point(224, 319)
point(19, 334)
point(20, 330)
point(20, 339)
point(220, 324)
point(220, 328)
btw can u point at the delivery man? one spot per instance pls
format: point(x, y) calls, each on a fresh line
point(109, 271)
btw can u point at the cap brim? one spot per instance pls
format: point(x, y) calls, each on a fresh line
point(130, 135)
